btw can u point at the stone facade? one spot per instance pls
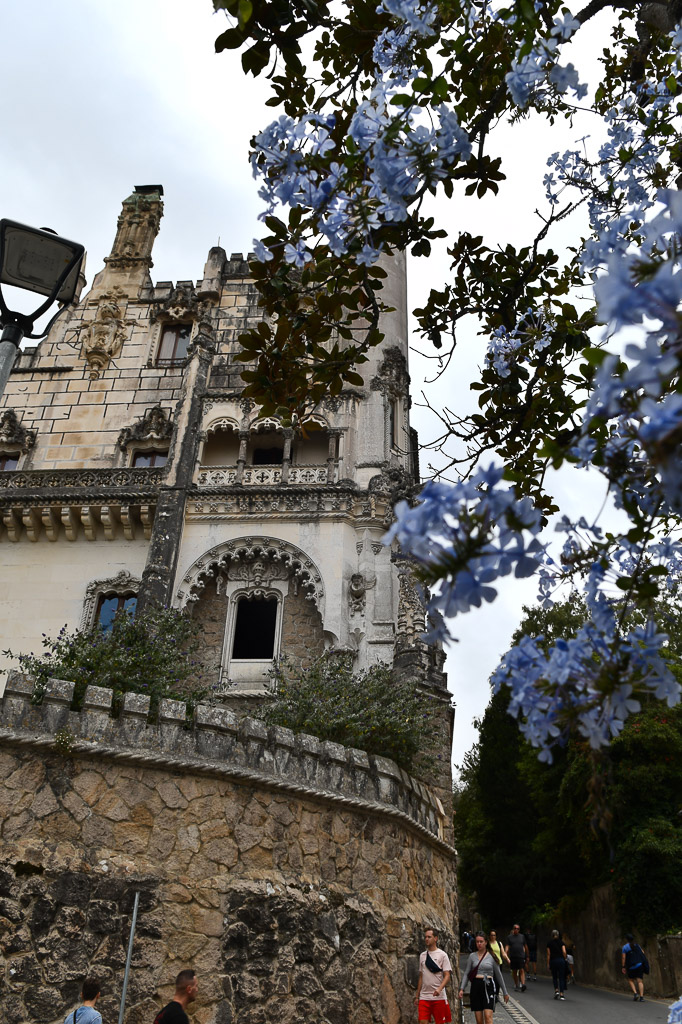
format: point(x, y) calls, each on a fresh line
point(137, 454)
point(295, 876)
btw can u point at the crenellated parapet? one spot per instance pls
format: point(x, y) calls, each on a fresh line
point(216, 742)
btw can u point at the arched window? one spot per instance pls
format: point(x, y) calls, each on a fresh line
point(105, 598)
point(109, 605)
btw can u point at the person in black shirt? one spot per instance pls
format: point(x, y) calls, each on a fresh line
point(186, 988)
point(556, 963)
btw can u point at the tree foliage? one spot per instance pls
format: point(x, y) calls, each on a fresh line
point(529, 840)
point(385, 103)
point(152, 654)
point(371, 710)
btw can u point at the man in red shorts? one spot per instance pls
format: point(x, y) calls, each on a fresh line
point(435, 970)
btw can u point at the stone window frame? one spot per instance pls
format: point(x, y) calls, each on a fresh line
point(173, 325)
point(9, 453)
point(16, 440)
point(123, 583)
point(215, 426)
point(145, 435)
point(253, 670)
point(160, 324)
point(146, 448)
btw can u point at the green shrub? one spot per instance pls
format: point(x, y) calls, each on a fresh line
point(152, 655)
point(371, 710)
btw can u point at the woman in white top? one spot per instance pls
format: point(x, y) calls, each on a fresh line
point(483, 974)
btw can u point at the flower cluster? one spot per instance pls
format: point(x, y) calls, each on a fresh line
point(530, 71)
point(531, 335)
point(476, 529)
point(675, 1013)
point(400, 155)
point(592, 680)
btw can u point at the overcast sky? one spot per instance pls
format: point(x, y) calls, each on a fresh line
point(98, 98)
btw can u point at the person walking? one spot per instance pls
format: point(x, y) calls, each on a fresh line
point(483, 974)
point(532, 943)
point(635, 965)
point(516, 949)
point(86, 1012)
point(497, 949)
point(435, 971)
point(186, 988)
point(557, 963)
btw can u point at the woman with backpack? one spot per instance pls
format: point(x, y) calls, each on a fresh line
point(635, 965)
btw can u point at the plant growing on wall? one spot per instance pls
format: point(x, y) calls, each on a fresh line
point(152, 654)
point(371, 710)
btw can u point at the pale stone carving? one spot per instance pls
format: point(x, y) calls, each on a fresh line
point(357, 591)
point(255, 561)
point(12, 435)
point(155, 425)
point(102, 339)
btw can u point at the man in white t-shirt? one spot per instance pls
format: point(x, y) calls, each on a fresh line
point(435, 970)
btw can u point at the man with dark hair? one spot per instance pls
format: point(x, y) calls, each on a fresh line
point(435, 970)
point(86, 1012)
point(186, 988)
point(516, 949)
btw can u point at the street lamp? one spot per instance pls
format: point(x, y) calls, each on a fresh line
point(39, 261)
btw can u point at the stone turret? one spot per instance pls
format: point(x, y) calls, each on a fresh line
point(128, 265)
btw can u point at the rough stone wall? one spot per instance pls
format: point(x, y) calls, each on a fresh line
point(293, 900)
point(598, 938)
point(302, 635)
point(210, 610)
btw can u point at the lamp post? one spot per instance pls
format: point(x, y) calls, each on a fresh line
point(37, 260)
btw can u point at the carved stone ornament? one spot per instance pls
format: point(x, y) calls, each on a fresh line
point(411, 611)
point(392, 377)
point(124, 583)
point(13, 435)
point(255, 562)
point(393, 481)
point(357, 591)
point(181, 304)
point(155, 425)
point(102, 338)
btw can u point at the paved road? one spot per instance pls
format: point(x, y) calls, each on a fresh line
point(582, 1006)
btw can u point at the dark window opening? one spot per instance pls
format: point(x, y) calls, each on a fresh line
point(268, 456)
point(150, 458)
point(109, 605)
point(8, 462)
point(254, 630)
point(393, 424)
point(174, 342)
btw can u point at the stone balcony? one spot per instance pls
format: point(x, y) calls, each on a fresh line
point(265, 476)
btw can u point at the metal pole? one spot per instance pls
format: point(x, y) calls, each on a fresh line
point(128, 959)
point(9, 346)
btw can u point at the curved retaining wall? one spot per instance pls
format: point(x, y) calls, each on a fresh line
point(295, 876)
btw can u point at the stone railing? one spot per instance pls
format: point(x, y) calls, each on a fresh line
point(216, 742)
point(82, 479)
point(263, 476)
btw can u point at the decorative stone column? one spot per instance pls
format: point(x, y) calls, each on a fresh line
point(241, 458)
point(286, 454)
point(164, 546)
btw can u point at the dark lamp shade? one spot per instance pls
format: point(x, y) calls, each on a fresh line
point(34, 259)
